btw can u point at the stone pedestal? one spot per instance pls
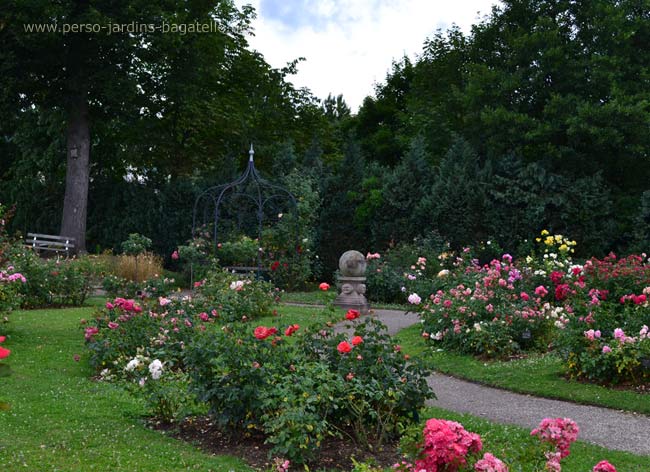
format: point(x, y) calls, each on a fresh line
point(352, 283)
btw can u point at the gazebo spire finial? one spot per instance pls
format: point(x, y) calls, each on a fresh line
point(251, 153)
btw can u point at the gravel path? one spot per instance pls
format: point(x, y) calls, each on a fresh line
point(602, 426)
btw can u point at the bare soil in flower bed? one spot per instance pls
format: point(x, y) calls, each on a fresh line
point(335, 453)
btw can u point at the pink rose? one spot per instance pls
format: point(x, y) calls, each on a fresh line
point(604, 466)
point(541, 291)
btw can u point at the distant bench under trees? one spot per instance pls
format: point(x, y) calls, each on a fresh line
point(47, 242)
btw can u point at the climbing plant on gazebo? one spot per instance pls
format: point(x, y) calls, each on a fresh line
point(239, 218)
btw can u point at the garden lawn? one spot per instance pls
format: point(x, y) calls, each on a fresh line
point(516, 446)
point(539, 375)
point(302, 315)
point(317, 297)
point(59, 419)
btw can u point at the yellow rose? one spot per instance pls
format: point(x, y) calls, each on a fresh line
point(544, 232)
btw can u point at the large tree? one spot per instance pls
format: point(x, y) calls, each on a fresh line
point(109, 66)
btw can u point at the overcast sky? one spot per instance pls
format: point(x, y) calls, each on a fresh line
point(349, 44)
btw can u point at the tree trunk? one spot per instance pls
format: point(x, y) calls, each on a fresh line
point(75, 203)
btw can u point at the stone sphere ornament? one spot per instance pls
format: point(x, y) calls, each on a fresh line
point(352, 282)
point(352, 264)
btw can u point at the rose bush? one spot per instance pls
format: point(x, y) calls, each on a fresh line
point(491, 311)
point(237, 298)
point(445, 446)
point(290, 383)
point(297, 393)
point(53, 282)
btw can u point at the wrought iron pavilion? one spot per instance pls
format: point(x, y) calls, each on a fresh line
point(244, 206)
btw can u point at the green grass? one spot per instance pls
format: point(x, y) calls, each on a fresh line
point(515, 445)
point(317, 297)
point(59, 419)
point(539, 375)
point(302, 315)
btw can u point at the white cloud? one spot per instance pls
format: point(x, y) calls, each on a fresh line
point(353, 43)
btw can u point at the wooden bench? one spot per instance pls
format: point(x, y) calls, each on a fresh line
point(248, 270)
point(47, 242)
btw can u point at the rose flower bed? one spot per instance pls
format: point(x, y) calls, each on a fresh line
point(445, 446)
point(295, 385)
point(594, 314)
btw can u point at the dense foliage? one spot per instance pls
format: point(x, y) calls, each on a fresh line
point(534, 119)
point(297, 385)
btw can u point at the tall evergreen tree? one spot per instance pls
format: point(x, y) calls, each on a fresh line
point(337, 230)
point(402, 191)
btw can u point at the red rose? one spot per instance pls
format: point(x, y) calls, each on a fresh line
point(3, 352)
point(261, 332)
point(344, 347)
point(324, 286)
point(291, 329)
point(352, 315)
point(357, 340)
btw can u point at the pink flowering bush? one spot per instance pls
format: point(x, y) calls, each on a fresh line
point(490, 311)
point(9, 289)
point(560, 433)
point(489, 463)
point(238, 296)
point(606, 338)
point(604, 466)
point(445, 446)
point(156, 328)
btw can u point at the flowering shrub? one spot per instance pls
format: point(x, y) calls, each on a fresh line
point(558, 432)
point(447, 447)
point(490, 311)
point(237, 298)
point(53, 282)
point(4, 368)
point(157, 328)
point(165, 390)
point(411, 267)
point(119, 286)
point(382, 388)
point(4, 352)
point(604, 466)
point(9, 299)
point(299, 392)
point(545, 301)
point(605, 337)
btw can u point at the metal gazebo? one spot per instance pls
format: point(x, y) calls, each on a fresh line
point(243, 206)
